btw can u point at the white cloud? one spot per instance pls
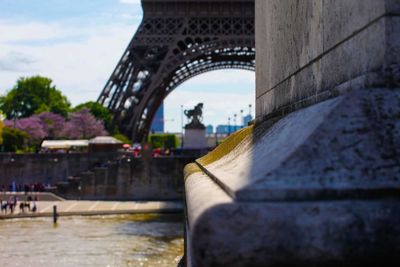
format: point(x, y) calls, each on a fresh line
point(16, 61)
point(78, 66)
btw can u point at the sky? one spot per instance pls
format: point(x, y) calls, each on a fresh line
point(77, 43)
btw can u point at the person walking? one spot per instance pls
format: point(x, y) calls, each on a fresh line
point(10, 204)
point(34, 208)
point(21, 207)
point(3, 206)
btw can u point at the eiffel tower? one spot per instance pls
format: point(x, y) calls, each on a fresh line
point(176, 40)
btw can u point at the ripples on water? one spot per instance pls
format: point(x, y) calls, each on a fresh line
point(120, 240)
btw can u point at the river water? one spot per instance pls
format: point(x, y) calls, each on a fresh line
point(118, 240)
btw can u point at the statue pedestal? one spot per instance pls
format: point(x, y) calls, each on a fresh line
point(195, 138)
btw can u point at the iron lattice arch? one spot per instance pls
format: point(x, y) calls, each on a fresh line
point(177, 40)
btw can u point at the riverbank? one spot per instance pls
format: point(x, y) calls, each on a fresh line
point(76, 207)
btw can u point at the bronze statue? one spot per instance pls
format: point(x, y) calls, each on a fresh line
point(196, 116)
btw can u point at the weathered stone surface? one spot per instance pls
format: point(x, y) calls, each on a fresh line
point(343, 18)
point(336, 148)
point(288, 36)
point(305, 49)
point(341, 233)
point(317, 188)
point(318, 181)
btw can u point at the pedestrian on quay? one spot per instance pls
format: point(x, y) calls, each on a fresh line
point(21, 207)
point(27, 204)
point(34, 208)
point(10, 204)
point(3, 206)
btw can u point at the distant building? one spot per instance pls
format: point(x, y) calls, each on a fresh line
point(247, 119)
point(157, 125)
point(209, 129)
point(227, 129)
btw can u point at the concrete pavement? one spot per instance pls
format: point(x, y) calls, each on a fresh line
point(77, 207)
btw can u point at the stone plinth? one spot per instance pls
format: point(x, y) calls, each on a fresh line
point(195, 138)
point(316, 181)
point(320, 187)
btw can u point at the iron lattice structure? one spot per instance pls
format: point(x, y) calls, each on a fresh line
point(177, 40)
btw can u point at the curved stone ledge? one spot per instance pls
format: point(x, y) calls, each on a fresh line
point(346, 146)
point(320, 187)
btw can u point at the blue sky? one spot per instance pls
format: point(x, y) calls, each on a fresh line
point(77, 43)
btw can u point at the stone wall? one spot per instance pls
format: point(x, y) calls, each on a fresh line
point(311, 50)
point(47, 168)
point(116, 176)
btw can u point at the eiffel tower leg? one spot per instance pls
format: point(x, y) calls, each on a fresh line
point(174, 43)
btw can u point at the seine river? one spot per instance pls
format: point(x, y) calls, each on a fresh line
point(120, 240)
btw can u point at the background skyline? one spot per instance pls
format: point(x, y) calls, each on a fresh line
point(78, 44)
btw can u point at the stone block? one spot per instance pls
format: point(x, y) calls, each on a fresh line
point(362, 54)
point(195, 138)
point(308, 48)
point(317, 188)
point(288, 36)
point(342, 19)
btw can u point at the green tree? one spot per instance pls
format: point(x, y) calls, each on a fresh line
point(123, 138)
point(1, 131)
point(33, 95)
point(13, 140)
point(164, 141)
point(99, 112)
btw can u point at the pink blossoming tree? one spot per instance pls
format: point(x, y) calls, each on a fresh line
point(83, 125)
point(53, 124)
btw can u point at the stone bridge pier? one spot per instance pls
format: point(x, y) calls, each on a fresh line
point(316, 180)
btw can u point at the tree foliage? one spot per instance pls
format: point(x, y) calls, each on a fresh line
point(123, 138)
point(98, 111)
point(32, 126)
point(37, 110)
point(83, 125)
point(165, 141)
point(46, 125)
point(14, 140)
point(33, 95)
point(1, 131)
point(53, 124)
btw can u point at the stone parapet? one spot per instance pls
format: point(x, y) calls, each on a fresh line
point(320, 187)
